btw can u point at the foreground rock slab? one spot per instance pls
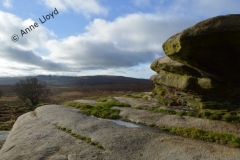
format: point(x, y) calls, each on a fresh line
point(35, 136)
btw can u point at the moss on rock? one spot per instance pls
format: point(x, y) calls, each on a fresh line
point(174, 80)
point(168, 65)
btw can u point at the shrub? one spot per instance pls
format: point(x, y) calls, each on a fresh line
point(31, 91)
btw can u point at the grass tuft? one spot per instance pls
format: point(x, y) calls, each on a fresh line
point(135, 95)
point(78, 136)
point(209, 136)
point(164, 111)
point(125, 119)
point(102, 110)
point(6, 126)
point(211, 114)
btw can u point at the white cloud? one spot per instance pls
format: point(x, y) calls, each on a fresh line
point(125, 42)
point(124, 46)
point(7, 3)
point(86, 7)
point(23, 52)
point(12, 24)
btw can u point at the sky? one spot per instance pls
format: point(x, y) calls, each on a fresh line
point(94, 37)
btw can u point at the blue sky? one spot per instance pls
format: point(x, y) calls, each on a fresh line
point(96, 37)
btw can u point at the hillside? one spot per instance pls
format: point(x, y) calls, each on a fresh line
point(76, 81)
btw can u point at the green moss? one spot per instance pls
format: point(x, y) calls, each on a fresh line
point(112, 103)
point(100, 146)
point(137, 107)
point(151, 125)
point(6, 126)
point(182, 113)
point(171, 96)
point(205, 49)
point(102, 110)
point(210, 86)
point(205, 83)
point(102, 99)
point(231, 118)
point(80, 137)
point(157, 110)
point(135, 95)
point(193, 102)
point(35, 113)
point(166, 95)
point(161, 92)
point(182, 70)
point(175, 80)
point(223, 115)
point(125, 119)
point(171, 46)
point(78, 105)
point(209, 136)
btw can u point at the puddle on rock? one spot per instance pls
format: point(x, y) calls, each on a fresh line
point(122, 123)
point(126, 124)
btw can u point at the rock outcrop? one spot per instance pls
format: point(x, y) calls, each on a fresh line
point(56, 132)
point(211, 47)
point(201, 66)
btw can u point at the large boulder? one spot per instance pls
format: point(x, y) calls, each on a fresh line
point(212, 47)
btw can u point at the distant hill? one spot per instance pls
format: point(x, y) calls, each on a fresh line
point(76, 81)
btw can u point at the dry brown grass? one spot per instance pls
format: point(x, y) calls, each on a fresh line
point(11, 108)
point(62, 94)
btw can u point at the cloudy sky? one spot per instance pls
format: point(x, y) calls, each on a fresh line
point(95, 37)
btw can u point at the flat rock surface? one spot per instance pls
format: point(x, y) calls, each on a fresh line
point(35, 136)
point(138, 102)
point(158, 119)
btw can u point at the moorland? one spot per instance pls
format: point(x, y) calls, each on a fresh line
point(64, 89)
